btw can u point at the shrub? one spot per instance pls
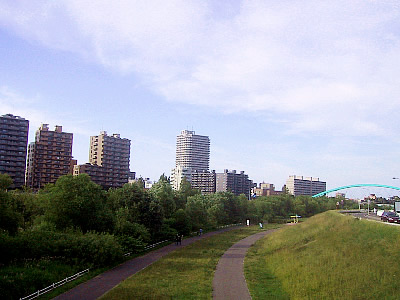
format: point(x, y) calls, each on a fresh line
point(86, 249)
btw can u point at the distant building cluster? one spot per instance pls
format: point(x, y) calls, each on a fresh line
point(50, 156)
point(192, 163)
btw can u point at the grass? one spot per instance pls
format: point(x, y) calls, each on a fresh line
point(330, 256)
point(21, 279)
point(183, 274)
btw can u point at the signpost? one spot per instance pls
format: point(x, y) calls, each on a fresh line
point(397, 206)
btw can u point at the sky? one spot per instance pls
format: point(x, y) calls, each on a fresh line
point(282, 88)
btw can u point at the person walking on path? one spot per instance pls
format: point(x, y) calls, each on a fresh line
point(178, 239)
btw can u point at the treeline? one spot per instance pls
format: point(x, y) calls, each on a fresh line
point(77, 222)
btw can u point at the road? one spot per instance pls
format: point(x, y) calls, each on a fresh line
point(370, 216)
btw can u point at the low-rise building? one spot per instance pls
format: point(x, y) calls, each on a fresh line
point(204, 181)
point(237, 183)
point(308, 186)
point(264, 189)
point(178, 173)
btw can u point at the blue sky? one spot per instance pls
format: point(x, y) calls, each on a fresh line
point(280, 87)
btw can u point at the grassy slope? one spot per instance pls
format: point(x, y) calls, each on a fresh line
point(331, 256)
point(183, 274)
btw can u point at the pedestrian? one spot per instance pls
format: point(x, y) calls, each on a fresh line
point(201, 231)
point(177, 238)
point(180, 239)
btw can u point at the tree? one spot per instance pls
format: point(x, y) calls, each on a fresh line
point(162, 191)
point(128, 197)
point(196, 209)
point(27, 204)
point(182, 223)
point(5, 181)
point(77, 202)
point(185, 191)
point(9, 218)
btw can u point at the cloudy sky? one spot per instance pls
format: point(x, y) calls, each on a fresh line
point(281, 87)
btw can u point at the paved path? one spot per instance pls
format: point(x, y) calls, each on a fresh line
point(229, 282)
point(102, 283)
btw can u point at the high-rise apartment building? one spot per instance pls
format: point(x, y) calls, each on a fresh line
point(237, 183)
point(13, 146)
point(49, 157)
point(112, 153)
point(192, 155)
point(192, 151)
point(309, 186)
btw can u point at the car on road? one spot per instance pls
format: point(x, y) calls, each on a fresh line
point(390, 216)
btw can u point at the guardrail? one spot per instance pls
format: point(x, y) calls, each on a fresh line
point(148, 247)
point(55, 285)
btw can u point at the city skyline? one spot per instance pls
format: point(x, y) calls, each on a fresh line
point(288, 88)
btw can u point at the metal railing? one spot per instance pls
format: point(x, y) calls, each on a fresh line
point(148, 247)
point(55, 285)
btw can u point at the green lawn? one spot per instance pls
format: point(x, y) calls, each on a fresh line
point(330, 256)
point(183, 274)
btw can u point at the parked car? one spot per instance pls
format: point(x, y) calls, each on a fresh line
point(390, 216)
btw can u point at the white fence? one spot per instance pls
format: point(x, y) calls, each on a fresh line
point(147, 247)
point(55, 285)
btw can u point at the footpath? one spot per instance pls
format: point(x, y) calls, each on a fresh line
point(99, 285)
point(229, 281)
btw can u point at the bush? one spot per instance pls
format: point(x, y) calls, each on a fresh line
point(166, 233)
point(131, 244)
point(84, 249)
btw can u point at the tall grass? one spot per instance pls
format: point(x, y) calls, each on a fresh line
point(330, 256)
point(183, 274)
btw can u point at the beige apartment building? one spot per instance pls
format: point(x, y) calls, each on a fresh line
point(264, 189)
point(109, 157)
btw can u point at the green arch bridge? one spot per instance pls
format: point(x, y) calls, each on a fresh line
point(356, 185)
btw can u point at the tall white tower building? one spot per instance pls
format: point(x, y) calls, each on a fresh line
point(192, 151)
point(192, 155)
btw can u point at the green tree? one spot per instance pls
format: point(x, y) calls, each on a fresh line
point(162, 191)
point(196, 209)
point(9, 218)
point(185, 191)
point(182, 222)
point(77, 202)
point(128, 197)
point(27, 204)
point(5, 181)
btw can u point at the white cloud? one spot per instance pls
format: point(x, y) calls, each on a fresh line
point(314, 63)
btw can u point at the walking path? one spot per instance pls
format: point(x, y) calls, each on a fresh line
point(102, 283)
point(229, 282)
